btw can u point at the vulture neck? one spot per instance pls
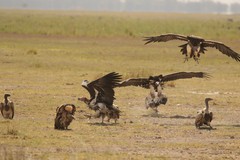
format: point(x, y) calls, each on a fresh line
point(207, 106)
point(6, 99)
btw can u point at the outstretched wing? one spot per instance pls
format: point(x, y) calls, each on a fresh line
point(105, 85)
point(142, 82)
point(165, 38)
point(222, 48)
point(184, 75)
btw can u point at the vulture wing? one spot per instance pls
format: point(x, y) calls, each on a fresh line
point(1, 107)
point(165, 38)
point(184, 75)
point(222, 48)
point(142, 82)
point(105, 85)
point(11, 104)
point(211, 116)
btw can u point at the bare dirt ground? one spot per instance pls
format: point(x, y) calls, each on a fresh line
point(42, 73)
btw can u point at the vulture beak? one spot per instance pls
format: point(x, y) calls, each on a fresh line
point(81, 98)
point(7, 95)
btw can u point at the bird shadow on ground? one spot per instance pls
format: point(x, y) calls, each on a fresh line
point(237, 125)
point(102, 124)
point(5, 121)
point(226, 125)
point(207, 128)
point(156, 115)
point(63, 129)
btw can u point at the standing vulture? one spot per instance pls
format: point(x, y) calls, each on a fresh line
point(204, 116)
point(155, 84)
point(64, 116)
point(102, 96)
point(7, 107)
point(194, 46)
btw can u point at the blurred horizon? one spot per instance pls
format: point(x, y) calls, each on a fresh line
point(177, 6)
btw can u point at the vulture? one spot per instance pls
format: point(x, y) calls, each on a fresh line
point(102, 96)
point(204, 116)
point(194, 45)
point(155, 84)
point(64, 116)
point(7, 107)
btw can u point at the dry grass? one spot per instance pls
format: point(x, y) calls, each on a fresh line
point(37, 70)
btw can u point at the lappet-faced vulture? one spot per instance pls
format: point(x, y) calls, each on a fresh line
point(155, 84)
point(195, 45)
point(102, 96)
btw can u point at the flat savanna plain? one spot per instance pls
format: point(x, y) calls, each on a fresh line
point(46, 55)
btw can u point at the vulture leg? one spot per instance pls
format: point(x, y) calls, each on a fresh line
point(196, 59)
point(186, 58)
point(103, 116)
point(155, 109)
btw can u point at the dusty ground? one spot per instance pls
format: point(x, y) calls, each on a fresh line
point(42, 72)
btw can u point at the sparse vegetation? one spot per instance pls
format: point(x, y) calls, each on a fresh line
point(12, 131)
point(73, 46)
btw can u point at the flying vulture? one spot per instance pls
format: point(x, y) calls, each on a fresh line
point(102, 96)
point(204, 116)
point(64, 116)
point(194, 46)
point(155, 84)
point(7, 107)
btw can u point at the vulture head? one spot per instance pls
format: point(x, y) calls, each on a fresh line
point(85, 83)
point(6, 96)
point(208, 99)
point(84, 99)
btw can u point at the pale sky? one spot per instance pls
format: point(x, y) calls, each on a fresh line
point(222, 1)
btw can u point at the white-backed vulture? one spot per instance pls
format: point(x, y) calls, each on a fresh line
point(194, 46)
point(64, 116)
point(204, 116)
point(102, 96)
point(155, 84)
point(7, 107)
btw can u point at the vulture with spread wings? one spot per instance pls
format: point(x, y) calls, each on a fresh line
point(155, 83)
point(102, 96)
point(194, 46)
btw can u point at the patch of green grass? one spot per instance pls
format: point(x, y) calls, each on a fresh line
point(70, 23)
